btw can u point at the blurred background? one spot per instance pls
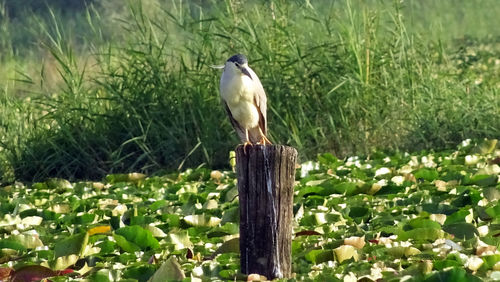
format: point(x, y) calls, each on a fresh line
point(94, 87)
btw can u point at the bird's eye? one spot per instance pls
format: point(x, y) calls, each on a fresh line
point(237, 64)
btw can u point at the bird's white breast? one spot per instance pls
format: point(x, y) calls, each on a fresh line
point(238, 92)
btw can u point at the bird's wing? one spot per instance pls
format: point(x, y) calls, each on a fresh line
point(239, 130)
point(260, 101)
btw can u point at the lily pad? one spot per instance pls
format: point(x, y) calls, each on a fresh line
point(139, 236)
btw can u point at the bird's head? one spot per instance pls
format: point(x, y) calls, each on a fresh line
point(237, 65)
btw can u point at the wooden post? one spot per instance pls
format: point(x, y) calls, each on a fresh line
point(266, 175)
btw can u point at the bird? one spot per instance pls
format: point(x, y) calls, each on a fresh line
point(245, 101)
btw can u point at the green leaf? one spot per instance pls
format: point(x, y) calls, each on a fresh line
point(155, 231)
point(139, 236)
point(486, 146)
point(493, 211)
point(422, 223)
point(483, 180)
point(319, 256)
point(12, 244)
point(107, 247)
point(490, 261)
point(126, 245)
point(430, 234)
point(456, 274)
point(141, 272)
point(439, 208)
point(173, 220)
point(30, 212)
point(346, 188)
point(458, 216)
point(29, 241)
point(228, 274)
point(356, 212)
point(63, 262)
point(104, 275)
point(170, 270)
point(180, 239)
point(72, 245)
point(491, 193)
point(227, 229)
point(442, 264)
point(231, 194)
point(426, 174)
point(85, 218)
point(311, 190)
point(229, 246)
point(58, 183)
point(125, 177)
point(202, 220)
point(399, 252)
point(461, 230)
point(158, 205)
point(231, 215)
point(328, 159)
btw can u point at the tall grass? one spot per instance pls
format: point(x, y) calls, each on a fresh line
point(341, 76)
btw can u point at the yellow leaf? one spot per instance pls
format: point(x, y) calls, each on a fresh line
point(346, 252)
point(474, 263)
point(99, 229)
point(411, 251)
point(438, 217)
point(216, 175)
point(85, 269)
point(256, 277)
point(60, 208)
point(98, 185)
point(61, 263)
point(374, 189)
point(485, 250)
point(440, 185)
point(357, 242)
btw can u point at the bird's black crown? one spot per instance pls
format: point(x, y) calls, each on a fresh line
point(238, 58)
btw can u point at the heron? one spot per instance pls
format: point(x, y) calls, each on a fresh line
point(245, 101)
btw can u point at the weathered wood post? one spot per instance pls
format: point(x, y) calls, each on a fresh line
point(266, 175)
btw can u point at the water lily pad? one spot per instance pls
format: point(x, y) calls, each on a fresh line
point(12, 244)
point(170, 270)
point(426, 174)
point(202, 220)
point(430, 234)
point(72, 245)
point(461, 230)
point(483, 180)
point(180, 239)
point(346, 252)
point(319, 256)
point(126, 245)
point(422, 223)
point(29, 241)
point(229, 246)
point(32, 273)
point(139, 236)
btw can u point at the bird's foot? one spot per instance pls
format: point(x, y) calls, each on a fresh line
point(264, 140)
point(245, 146)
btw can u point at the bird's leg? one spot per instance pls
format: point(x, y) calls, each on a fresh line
point(263, 138)
point(246, 142)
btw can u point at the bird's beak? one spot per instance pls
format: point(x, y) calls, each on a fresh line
point(246, 72)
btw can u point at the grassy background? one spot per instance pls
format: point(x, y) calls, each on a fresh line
point(108, 87)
